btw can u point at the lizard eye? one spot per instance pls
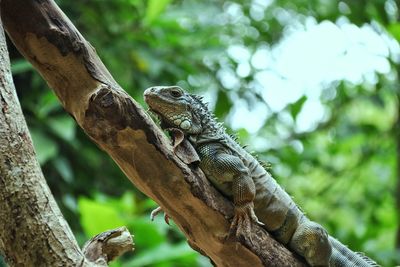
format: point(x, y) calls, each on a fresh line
point(176, 93)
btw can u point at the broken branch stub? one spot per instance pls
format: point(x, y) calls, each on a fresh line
point(108, 245)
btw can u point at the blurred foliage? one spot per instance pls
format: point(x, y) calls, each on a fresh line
point(156, 242)
point(341, 171)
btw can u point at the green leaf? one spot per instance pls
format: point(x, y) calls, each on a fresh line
point(295, 107)
point(125, 204)
point(115, 263)
point(45, 147)
point(98, 217)
point(20, 66)
point(394, 30)
point(223, 105)
point(154, 9)
point(162, 253)
point(47, 103)
point(64, 169)
point(242, 134)
point(70, 202)
point(149, 234)
point(147, 204)
point(63, 126)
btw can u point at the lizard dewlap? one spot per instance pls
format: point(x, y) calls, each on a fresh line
point(238, 175)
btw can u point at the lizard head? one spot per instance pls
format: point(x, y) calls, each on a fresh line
point(176, 108)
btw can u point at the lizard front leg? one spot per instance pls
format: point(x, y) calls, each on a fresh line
point(228, 173)
point(243, 190)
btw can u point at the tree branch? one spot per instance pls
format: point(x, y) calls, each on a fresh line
point(33, 230)
point(108, 245)
point(112, 119)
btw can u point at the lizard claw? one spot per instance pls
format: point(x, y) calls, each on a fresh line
point(156, 211)
point(241, 224)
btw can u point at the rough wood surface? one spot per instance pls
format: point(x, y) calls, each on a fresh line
point(33, 231)
point(108, 245)
point(119, 126)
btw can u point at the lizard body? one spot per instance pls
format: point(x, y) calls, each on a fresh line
point(238, 175)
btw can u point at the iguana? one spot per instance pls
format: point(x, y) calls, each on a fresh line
point(238, 175)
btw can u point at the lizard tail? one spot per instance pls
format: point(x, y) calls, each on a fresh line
point(342, 256)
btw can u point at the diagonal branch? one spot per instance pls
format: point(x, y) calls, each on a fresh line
point(113, 120)
point(33, 230)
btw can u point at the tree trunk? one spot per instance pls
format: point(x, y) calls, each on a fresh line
point(33, 230)
point(112, 119)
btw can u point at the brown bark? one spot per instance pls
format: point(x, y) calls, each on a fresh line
point(108, 245)
point(33, 231)
point(112, 119)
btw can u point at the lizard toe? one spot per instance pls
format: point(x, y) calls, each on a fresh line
point(156, 211)
point(241, 225)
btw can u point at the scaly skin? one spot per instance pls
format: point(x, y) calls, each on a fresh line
point(238, 175)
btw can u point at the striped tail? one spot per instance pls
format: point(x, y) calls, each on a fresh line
point(342, 256)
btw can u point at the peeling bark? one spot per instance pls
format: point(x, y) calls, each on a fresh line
point(33, 231)
point(113, 120)
point(108, 245)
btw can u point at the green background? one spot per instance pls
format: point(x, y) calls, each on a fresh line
point(342, 172)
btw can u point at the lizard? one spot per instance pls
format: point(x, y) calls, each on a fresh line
point(257, 197)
